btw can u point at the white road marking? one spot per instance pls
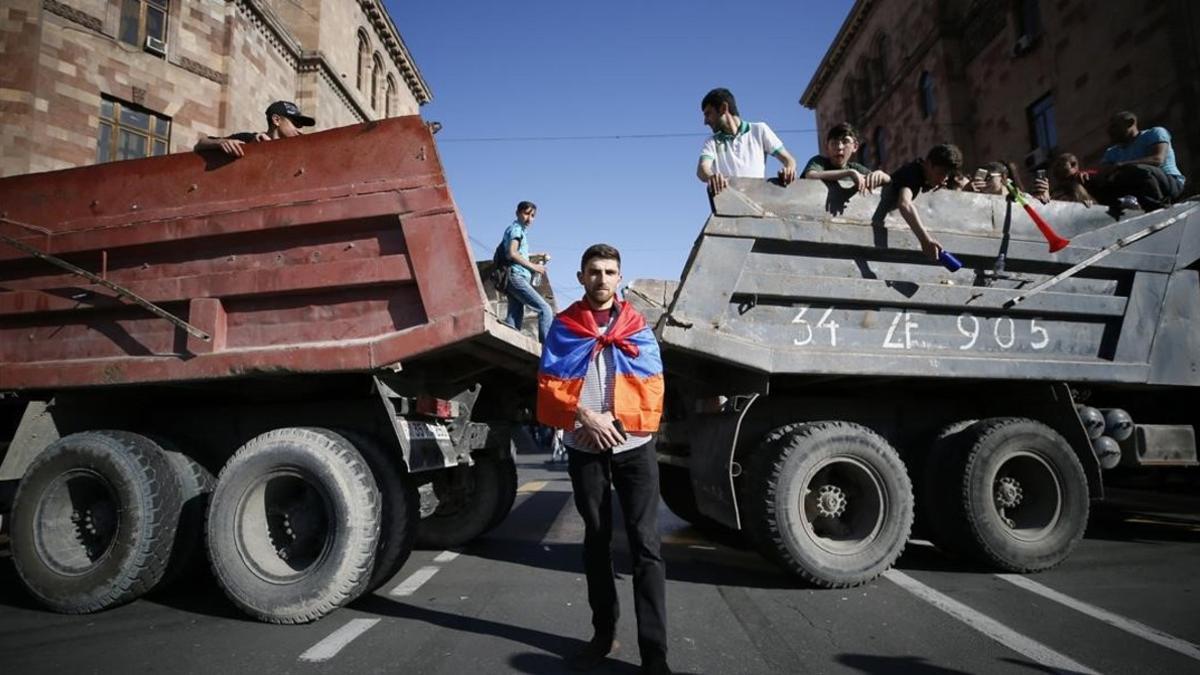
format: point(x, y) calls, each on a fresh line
point(1128, 625)
point(445, 556)
point(414, 581)
point(329, 647)
point(988, 626)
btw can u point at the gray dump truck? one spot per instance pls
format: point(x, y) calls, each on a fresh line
point(828, 385)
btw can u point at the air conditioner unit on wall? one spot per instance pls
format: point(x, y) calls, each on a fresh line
point(156, 46)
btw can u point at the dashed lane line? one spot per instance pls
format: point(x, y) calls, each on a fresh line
point(990, 627)
point(1128, 625)
point(329, 647)
point(445, 556)
point(414, 581)
point(533, 486)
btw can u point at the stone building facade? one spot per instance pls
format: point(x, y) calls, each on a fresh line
point(1017, 80)
point(96, 80)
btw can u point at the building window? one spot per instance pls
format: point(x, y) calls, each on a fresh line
point(879, 64)
point(390, 100)
point(141, 19)
point(364, 54)
point(130, 132)
point(1043, 133)
point(879, 139)
point(376, 80)
point(925, 95)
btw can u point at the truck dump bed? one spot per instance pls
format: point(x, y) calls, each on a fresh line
point(339, 251)
point(778, 285)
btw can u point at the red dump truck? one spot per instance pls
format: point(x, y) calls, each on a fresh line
point(305, 324)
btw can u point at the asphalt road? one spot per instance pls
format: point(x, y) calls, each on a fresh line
point(1127, 601)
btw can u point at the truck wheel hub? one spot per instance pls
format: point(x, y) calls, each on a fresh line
point(831, 501)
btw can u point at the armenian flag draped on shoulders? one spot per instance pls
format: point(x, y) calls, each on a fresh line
point(571, 345)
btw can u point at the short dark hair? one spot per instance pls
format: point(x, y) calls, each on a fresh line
point(522, 207)
point(947, 156)
point(841, 131)
point(718, 96)
point(1125, 118)
point(603, 251)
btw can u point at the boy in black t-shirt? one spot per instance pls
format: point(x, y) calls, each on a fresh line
point(284, 120)
point(923, 175)
point(840, 145)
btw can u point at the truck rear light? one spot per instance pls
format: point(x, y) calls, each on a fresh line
point(436, 407)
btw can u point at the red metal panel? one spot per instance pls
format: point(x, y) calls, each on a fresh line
point(333, 252)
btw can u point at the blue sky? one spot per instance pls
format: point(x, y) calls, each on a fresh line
point(550, 69)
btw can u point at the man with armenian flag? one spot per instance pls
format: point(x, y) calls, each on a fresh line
point(601, 381)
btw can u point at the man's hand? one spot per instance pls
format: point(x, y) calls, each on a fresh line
point(787, 174)
point(537, 268)
point(874, 180)
point(598, 430)
point(716, 183)
point(931, 248)
point(1041, 190)
point(233, 147)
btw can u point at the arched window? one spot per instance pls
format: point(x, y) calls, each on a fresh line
point(879, 140)
point(925, 95)
point(376, 79)
point(879, 65)
point(364, 54)
point(848, 112)
point(389, 101)
point(864, 85)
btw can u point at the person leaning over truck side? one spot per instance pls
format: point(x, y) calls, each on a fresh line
point(521, 270)
point(943, 162)
point(737, 148)
point(836, 164)
point(601, 381)
point(284, 120)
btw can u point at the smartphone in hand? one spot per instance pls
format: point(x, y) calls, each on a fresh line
point(620, 429)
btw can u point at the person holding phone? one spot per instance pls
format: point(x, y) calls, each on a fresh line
point(601, 381)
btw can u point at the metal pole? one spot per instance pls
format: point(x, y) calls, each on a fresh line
point(119, 290)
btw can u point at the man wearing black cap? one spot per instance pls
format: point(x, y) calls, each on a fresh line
point(284, 120)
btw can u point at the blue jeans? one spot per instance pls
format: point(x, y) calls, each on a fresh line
point(520, 294)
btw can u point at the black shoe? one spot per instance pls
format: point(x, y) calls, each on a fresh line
point(593, 654)
point(655, 668)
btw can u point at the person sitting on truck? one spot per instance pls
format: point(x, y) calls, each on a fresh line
point(521, 291)
point(737, 148)
point(1141, 164)
point(835, 165)
point(940, 165)
point(1071, 182)
point(284, 120)
point(601, 380)
point(990, 178)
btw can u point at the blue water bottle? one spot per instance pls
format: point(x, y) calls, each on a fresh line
point(949, 261)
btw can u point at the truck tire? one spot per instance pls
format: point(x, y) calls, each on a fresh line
point(195, 487)
point(463, 515)
point(1022, 495)
point(830, 501)
point(508, 493)
point(293, 525)
point(94, 521)
point(399, 508)
point(938, 507)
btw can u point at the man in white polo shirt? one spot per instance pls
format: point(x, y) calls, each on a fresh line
point(737, 148)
